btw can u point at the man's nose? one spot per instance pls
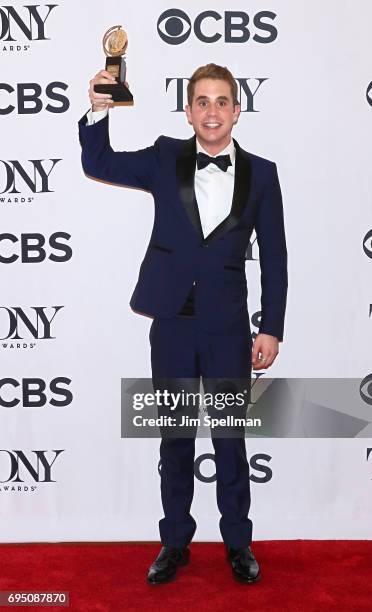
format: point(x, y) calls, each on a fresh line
point(212, 109)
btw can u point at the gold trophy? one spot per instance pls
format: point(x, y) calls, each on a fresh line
point(115, 43)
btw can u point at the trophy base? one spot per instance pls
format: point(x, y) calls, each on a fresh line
point(119, 92)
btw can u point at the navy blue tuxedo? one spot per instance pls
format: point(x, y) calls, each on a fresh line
point(178, 255)
point(215, 342)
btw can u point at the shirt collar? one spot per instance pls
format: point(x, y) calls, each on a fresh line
point(229, 150)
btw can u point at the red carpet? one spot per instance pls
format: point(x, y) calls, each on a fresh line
point(297, 576)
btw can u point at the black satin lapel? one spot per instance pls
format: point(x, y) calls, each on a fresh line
point(185, 168)
point(242, 185)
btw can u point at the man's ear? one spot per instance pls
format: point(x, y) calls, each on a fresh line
point(237, 110)
point(188, 113)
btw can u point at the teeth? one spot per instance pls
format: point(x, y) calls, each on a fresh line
point(212, 125)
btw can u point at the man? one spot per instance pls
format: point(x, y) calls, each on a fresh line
point(209, 196)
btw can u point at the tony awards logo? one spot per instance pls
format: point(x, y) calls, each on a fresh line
point(115, 43)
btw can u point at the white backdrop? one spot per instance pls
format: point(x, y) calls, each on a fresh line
point(312, 117)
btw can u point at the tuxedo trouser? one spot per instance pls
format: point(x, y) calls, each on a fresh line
point(181, 350)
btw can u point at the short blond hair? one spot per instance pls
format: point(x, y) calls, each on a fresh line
point(212, 71)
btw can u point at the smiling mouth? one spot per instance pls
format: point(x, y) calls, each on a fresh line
point(212, 125)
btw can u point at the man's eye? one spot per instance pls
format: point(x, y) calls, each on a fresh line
point(203, 103)
point(222, 103)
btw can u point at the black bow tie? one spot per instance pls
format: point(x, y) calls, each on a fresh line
point(222, 161)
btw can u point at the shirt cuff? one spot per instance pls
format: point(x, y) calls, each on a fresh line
point(95, 116)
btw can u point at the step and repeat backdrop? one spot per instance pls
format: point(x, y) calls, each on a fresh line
point(70, 249)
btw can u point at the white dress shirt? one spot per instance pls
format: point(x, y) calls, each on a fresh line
point(94, 116)
point(213, 187)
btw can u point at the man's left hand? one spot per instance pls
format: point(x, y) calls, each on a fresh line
point(264, 351)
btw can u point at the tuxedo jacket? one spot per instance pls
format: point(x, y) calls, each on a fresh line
point(178, 256)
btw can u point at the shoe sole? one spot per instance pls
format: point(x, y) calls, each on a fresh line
point(246, 580)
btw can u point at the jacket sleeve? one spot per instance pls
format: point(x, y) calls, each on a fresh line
point(130, 168)
point(273, 257)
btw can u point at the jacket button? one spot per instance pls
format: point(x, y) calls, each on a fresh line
point(204, 244)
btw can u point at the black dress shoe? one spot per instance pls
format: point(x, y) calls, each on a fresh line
point(166, 564)
point(244, 565)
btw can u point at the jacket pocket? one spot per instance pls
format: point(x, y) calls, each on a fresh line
point(235, 268)
point(158, 247)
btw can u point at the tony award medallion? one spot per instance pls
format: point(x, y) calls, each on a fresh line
point(115, 43)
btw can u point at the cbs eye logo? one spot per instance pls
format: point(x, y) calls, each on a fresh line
point(367, 242)
point(174, 26)
point(369, 94)
point(366, 392)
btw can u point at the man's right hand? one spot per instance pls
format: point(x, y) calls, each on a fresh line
point(101, 101)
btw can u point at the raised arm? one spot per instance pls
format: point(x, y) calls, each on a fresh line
point(130, 168)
